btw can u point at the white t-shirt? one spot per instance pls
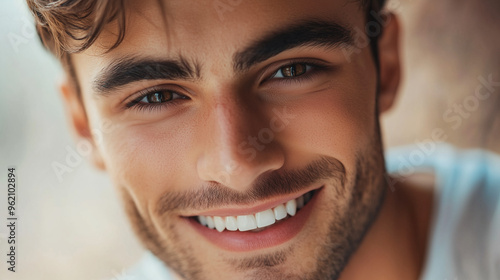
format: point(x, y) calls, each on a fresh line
point(465, 235)
point(464, 241)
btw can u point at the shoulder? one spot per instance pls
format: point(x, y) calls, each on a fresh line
point(466, 210)
point(461, 176)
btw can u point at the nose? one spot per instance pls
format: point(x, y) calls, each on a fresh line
point(237, 145)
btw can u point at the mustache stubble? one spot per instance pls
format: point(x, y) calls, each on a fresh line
point(212, 194)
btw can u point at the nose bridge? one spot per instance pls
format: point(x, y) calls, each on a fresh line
point(228, 157)
point(232, 122)
point(233, 126)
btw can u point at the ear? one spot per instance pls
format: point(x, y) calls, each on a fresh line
point(75, 109)
point(390, 68)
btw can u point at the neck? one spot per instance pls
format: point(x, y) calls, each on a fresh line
point(394, 247)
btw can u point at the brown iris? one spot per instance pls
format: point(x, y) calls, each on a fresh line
point(293, 70)
point(159, 97)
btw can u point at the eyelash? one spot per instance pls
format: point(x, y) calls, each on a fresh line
point(313, 69)
point(140, 106)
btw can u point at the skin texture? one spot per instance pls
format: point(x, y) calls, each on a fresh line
point(176, 161)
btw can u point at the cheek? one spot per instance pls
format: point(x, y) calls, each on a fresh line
point(148, 159)
point(338, 121)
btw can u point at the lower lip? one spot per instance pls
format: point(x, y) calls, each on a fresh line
point(241, 241)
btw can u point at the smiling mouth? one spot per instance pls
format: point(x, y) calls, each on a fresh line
point(258, 221)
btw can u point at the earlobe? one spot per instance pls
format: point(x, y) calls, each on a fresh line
point(75, 109)
point(390, 68)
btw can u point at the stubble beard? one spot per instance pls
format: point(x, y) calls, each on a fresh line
point(364, 197)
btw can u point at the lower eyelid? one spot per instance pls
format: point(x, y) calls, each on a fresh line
point(154, 106)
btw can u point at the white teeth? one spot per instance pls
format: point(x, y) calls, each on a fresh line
point(300, 202)
point(210, 222)
point(219, 223)
point(265, 218)
point(246, 222)
point(203, 220)
point(280, 212)
point(231, 223)
point(291, 207)
point(259, 220)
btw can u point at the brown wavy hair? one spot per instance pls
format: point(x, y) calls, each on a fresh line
point(62, 23)
point(70, 26)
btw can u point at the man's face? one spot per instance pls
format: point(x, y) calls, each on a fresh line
point(233, 111)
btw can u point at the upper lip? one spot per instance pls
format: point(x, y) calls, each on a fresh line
point(248, 210)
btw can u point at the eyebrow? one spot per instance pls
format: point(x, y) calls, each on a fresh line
point(307, 33)
point(127, 70)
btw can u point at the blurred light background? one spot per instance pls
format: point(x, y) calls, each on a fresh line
point(76, 229)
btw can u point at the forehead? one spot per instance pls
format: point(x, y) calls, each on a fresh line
point(210, 32)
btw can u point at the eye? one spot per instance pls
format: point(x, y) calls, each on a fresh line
point(292, 70)
point(156, 98)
